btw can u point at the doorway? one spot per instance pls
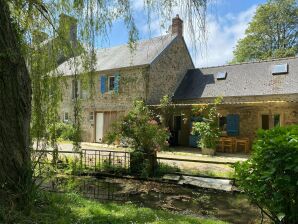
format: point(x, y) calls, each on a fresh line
point(99, 127)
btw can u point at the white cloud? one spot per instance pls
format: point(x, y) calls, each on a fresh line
point(222, 37)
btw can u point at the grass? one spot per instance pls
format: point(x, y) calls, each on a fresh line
point(72, 208)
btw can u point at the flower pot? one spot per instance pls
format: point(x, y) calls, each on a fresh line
point(208, 151)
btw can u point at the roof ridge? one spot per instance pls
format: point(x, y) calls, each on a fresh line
point(251, 62)
point(138, 41)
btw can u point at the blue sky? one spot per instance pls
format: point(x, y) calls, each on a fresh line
point(226, 23)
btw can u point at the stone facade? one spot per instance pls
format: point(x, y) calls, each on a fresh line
point(250, 111)
point(167, 71)
point(149, 83)
point(132, 84)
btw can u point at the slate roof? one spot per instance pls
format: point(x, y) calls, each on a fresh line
point(121, 56)
point(247, 79)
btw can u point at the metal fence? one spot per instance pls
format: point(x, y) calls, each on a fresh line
point(102, 159)
point(88, 159)
point(92, 160)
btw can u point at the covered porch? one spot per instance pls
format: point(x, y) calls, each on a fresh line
point(238, 122)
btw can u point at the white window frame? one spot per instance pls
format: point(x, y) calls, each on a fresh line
point(109, 77)
point(64, 117)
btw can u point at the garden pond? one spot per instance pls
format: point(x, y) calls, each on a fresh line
point(225, 206)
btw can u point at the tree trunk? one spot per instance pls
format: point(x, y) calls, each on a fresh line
point(15, 109)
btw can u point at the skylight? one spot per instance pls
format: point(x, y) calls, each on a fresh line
point(279, 69)
point(221, 75)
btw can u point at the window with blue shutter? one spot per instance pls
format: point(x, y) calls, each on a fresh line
point(116, 83)
point(233, 124)
point(103, 84)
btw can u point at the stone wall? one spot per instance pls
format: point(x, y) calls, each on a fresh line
point(168, 70)
point(250, 117)
point(132, 86)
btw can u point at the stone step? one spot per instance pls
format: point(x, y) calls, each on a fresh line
point(206, 182)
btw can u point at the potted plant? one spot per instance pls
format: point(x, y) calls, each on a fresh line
point(208, 129)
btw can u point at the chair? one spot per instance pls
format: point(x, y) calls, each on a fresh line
point(228, 143)
point(242, 142)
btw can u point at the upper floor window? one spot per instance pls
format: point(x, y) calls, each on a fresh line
point(111, 83)
point(75, 89)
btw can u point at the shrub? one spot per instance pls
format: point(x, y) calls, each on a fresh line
point(208, 129)
point(270, 176)
point(106, 166)
point(140, 129)
point(143, 134)
point(65, 131)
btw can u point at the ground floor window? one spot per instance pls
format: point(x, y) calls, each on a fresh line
point(66, 117)
point(91, 116)
point(223, 124)
point(265, 121)
point(270, 121)
point(276, 120)
point(229, 125)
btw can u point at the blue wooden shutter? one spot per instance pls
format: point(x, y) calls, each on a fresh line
point(233, 124)
point(103, 84)
point(116, 83)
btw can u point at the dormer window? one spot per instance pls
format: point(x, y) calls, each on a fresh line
point(221, 75)
point(279, 69)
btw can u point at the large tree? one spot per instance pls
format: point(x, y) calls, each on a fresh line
point(272, 33)
point(19, 21)
point(15, 106)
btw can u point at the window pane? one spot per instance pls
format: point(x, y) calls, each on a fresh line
point(223, 123)
point(111, 83)
point(265, 121)
point(91, 117)
point(66, 116)
point(276, 120)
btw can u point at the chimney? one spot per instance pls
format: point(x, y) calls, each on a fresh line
point(68, 28)
point(177, 26)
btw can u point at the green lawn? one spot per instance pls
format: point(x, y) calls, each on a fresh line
point(71, 208)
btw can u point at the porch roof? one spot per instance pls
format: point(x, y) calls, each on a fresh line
point(231, 103)
point(247, 79)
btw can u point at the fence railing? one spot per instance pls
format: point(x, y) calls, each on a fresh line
point(94, 160)
point(101, 159)
point(91, 159)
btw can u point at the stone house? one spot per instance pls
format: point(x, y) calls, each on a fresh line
point(155, 68)
point(255, 95)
